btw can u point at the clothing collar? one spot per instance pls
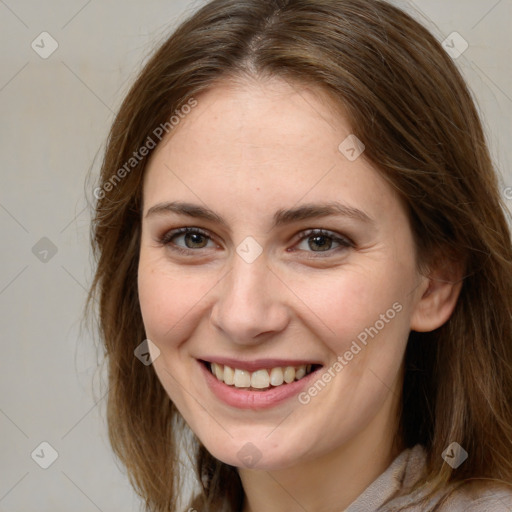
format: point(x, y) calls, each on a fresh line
point(405, 470)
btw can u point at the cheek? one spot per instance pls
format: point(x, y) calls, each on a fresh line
point(354, 298)
point(170, 299)
point(170, 302)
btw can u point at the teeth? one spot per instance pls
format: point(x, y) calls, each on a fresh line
point(276, 376)
point(218, 370)
point(259, 379)
point(229, 376)
point(300, 372)
point(289, 374)
point(242, 379)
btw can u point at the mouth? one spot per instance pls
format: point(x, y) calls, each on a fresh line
point(262, 379)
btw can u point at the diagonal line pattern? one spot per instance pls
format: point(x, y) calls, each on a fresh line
point(14, 486)
point(486, 14)
point(90, 409)
point(312, 187)
point(13, 423)
point(74, 278)
point(473, 63)
point(415, 6)
point(299, 93)
point(378, 378)
point(301, 300)
point(85, 494)
point(304, 195)
point(85, 85)
point(96, 300)
point(279, 424)
point(14, 218)
point(198, 301)
point(72, 220)
point(505, 505)
point(13, 279)
point(14, 76)
point(190, 309)
point(288, 415)
point(76, 14)
point(184, 184)
point(13, 13)
point(198, 402)
point(286, 491)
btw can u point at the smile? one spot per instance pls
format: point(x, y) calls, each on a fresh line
point(262, 379)
point(258, 384)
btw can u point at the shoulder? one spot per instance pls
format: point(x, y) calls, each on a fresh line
point(399, 489)
point(479, 498)
point(468, 498)
point(478, 495)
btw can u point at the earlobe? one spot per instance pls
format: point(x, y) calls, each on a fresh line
point(437, 302)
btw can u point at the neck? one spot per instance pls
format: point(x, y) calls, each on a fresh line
point(332, 481)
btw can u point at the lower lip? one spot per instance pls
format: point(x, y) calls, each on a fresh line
point(246, 399)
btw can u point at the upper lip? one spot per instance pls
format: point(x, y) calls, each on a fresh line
point(258, 364)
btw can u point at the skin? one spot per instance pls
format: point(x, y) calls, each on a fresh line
point(248, 149)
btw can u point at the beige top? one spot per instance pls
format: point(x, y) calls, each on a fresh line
point(405, 471)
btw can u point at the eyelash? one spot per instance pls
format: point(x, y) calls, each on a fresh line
point(344, 242)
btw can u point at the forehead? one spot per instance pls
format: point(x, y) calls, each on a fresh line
point(260, 145)
point(271, 113)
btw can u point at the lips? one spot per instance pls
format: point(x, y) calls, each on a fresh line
point(259, 364)
point(260, 379)
point(249, 397)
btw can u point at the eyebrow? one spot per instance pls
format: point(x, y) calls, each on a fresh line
point(281, 217)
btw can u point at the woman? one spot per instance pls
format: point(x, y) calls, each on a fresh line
point(299, 225)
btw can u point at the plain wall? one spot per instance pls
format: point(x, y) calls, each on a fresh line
point(55, 115)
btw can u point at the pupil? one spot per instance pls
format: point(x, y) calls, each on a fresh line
point(193, 238)
point(322, 238)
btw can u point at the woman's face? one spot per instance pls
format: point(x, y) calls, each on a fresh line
point(299, 257)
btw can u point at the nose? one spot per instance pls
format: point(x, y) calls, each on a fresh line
point(250, 305)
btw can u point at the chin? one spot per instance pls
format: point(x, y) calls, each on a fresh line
point(258, 453)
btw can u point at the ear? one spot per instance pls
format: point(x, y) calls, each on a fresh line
point(438, 296)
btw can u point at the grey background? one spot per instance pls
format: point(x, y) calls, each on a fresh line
point(55, 115)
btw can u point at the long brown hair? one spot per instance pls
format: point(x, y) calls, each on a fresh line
point(409, 104)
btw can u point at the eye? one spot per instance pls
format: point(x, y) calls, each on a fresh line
point(323, 241)
point(193, 238)
point(316, 240)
